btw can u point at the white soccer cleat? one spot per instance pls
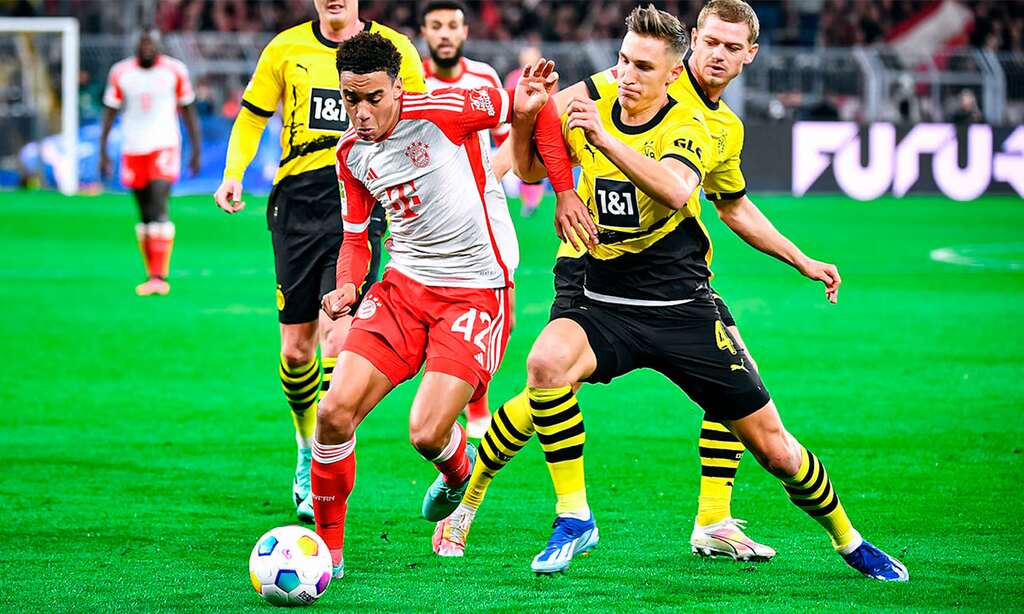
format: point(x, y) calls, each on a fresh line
point(450, 534)
point(726, 538)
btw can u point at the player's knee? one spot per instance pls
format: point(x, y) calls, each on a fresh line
point(781, 457)
point(547, 367)
point(429, 441)
point(335, 419)
point(296, 355)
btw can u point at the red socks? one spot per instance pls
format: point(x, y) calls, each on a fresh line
point(332, 476)
point(453, 462)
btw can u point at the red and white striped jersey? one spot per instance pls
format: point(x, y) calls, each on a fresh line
point(148, 99)
point(447, 214)
point(474, 75)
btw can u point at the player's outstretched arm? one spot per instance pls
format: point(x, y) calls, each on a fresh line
point(744, 218)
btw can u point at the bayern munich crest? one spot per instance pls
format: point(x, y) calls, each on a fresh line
point(418, 152)
point(368, 307)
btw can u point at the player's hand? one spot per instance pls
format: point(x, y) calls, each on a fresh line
point(573, 223)
point(534, 88)
point(338, 302)
point(194, 164)
point(826, 273)
point(229, 196)
point(582, 114)
point(105, 166)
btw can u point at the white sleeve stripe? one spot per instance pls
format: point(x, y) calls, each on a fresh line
point(506, 110)
point(350, 227)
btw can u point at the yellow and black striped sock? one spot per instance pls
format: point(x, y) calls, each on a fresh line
point(511, 427)
point(720, 454)
point(325, 381)
point(559, 424)
point(811, 490)
point(301, 385)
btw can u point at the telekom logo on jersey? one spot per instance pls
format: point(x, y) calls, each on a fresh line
point(898, 165)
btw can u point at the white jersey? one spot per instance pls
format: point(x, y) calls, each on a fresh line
point(148, 99)
point(447, 224)
point(474, 75)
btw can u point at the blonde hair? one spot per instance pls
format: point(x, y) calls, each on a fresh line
point(649, 21)
point(732, 11)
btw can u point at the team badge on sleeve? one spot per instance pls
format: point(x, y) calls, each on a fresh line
point(479, 100)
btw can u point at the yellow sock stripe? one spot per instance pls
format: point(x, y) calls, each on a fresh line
point(552, 411)
point(713, 426)
point(719, 462)
point(296, 373)
point(504, 426)
point(734, 446)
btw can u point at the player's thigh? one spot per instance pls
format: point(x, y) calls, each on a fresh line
point(343, 408)
point(387, 331)
point(332, 334)
point(155, 204)
point(468, 333)
point(297, 270)
point(561, 355)
point(439, 400)
point(696, 351)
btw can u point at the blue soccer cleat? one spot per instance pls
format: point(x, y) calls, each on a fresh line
point(876, 564)
point(570, 537)
point(338, 571)
point(441, 499)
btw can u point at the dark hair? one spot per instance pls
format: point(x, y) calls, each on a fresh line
point(438, 5)
point(368, 52)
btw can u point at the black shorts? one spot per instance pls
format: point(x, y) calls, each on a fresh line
point(304, 217)
point(569, 274)
point(723, 309)
point(689, 344)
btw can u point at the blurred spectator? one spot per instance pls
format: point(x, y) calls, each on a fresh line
point(966, 109)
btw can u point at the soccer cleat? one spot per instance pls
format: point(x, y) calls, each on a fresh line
point(477, 428)
point(451, 533)
point(338, 571)
point(726, 538)
point(570, 537)
point(442, 499)
point(154, 286)
point(876, 564)
point(301, 493)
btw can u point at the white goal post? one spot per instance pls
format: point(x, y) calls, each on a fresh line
point(67, 27)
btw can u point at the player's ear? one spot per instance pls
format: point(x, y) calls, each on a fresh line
point(751, 53)
point(397, 88)
point(693, 38)
point(675, 72)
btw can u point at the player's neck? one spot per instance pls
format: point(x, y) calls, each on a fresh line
point(342, 32)
point(450, 73)
point(712, 93)
point(643, 112)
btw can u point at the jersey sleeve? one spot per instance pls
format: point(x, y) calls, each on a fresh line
point(356, 207)
point(686, 139)
point(602, 84)
point(462, 113)
point(266, 86)
point(725, 181)
point(183, 88)
point(411, 71)
point(113, 96)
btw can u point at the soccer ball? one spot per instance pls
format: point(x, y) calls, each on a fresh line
point(290, 566)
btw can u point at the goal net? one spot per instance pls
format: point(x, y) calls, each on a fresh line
point(39, 66)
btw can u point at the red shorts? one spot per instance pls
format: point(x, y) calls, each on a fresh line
point(137, 171)
point(402, 324)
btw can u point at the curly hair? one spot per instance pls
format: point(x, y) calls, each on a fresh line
point(368, 52)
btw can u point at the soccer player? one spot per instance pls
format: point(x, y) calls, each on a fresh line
point(723, 42)
point(647, 301)
point(149, 89)
point(442, 304)
point(443, 26)
point(297, 70)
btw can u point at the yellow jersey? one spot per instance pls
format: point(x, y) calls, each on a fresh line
point(650, 254)
point(297, 69)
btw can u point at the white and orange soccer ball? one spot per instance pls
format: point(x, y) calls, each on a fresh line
point(290, 566)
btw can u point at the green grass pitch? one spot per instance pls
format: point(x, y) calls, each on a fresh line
point(145, 443)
